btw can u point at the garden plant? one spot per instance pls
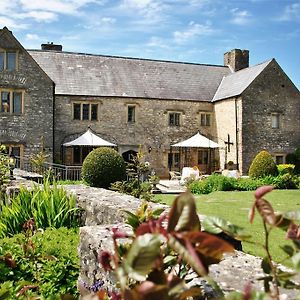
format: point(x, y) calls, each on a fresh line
point(166, 251)
point(102, 167)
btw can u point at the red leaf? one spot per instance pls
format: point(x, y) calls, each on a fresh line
point(183, 215)
point(9, 261)
point(25, 288)
point(252, 213)
point(208, 244)
point(105, 258)
point(260, 192)
point(266, 211)
point(293, 232)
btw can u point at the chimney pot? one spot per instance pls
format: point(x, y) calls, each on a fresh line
point(237, 59)
point(51, 46)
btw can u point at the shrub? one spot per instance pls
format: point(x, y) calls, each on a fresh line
point(248, 184)
point(212, 183)
point(286, 169)
point(48, 206)
point(263, 165)
point(45, 264)
point(102, 167)
point(4, 166)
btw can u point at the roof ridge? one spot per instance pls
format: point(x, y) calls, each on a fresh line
point(125, 57)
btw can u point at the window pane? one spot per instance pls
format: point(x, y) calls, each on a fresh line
point(76, 111)
point(17, 103)
point(279, 159)
point(94, 116)
point(177, 116)
point(202, 119)
point(85, 111)
point(131, 114)
point(176, 159)
point(85, 152)
point(76, 155)
point(1, 61)
point(275, 121)
point(208, 120)
point(174, 119)
point(11, 60)
point(5, 102)
point(16, 151)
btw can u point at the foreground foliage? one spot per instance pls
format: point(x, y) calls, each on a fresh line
point(49, 206)
point(161, 258)
point(41, 265)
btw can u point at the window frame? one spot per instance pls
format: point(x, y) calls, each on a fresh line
point(132, 119)
point(176, 122)
point(205, 119)
point(275, 120)
point(174, 160)
point(81, 111)
point(5, 61)
point(11, 100)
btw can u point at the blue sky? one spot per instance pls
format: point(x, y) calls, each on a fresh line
point(198, 31)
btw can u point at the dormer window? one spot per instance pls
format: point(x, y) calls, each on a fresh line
point(8, 60)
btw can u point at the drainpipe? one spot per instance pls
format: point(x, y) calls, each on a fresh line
point(53, 123)
point(236, 135)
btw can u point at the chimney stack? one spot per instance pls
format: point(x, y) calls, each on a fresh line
point(51, 46)
point(237, 59)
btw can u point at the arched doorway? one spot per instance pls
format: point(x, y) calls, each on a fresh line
point(129, 155)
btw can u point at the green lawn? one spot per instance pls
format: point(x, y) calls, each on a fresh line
point(234, 207)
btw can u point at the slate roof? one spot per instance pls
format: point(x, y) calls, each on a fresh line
point(97, 75)
point(234, 84)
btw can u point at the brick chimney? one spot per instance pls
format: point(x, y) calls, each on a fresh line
point(237, 59)
point(51, 46)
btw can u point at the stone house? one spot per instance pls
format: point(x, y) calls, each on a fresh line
point(149, 104)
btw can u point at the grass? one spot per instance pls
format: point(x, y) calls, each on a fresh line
point(234, 207)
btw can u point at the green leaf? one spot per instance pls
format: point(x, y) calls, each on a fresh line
point(217, 225)
point(213, 225)
point(142, 255)
point(156, 213)
point(289, 250)
point(292, 215)
point(183, 215)
point(296, 261)
point(266, 266)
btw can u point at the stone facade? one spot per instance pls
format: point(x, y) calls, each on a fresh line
point(271, 93)
point(234, 105)
point(32, 129)
point(151, 128)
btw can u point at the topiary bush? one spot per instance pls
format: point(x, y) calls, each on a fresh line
point(102, 167)
point(263, 165)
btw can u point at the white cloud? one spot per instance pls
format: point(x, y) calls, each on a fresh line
point(192, 31)
point(107, 21)
point(58, 6)
point(11, 24)
point(39, 16)
point(291, 12)
point(32, 37)
point(152, 11)
point(240, 17)
point(157, 42)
